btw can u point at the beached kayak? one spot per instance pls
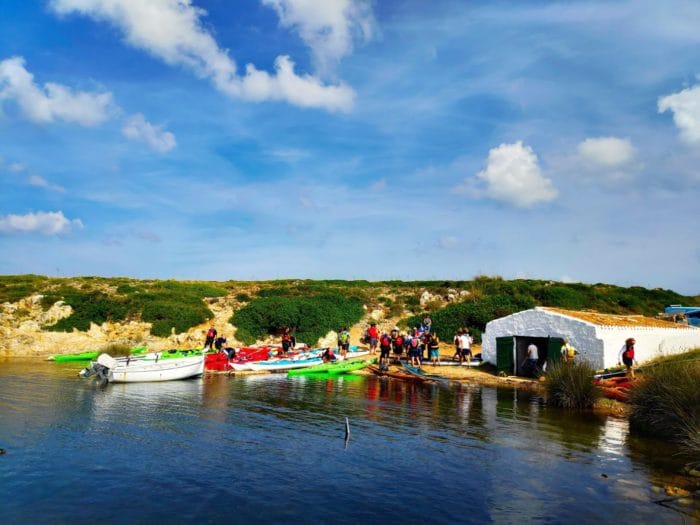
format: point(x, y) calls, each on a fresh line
point(336, 367)
point(275, 365)
point(89, 356)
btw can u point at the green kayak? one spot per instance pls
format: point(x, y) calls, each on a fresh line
point(89, 356)
point(332, 368)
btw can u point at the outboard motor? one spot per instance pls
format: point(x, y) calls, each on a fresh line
point(100, 369)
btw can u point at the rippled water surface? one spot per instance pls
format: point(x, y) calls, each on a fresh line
point(268, 448)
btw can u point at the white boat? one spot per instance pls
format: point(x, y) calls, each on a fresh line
point(145, 370)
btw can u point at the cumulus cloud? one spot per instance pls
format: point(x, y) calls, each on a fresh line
point(172, 31)
point(607, 152)
point(685, 106)
point(512, 175)
point(137, 127)
point(52, 101)
point(328, 28)
point(44, 223)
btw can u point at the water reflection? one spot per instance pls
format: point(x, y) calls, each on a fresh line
point(502, 453)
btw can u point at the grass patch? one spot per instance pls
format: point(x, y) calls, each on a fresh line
point(570, 385)
point(665, 403)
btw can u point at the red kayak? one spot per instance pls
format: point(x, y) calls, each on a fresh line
point(220, 361)
point(616, 388)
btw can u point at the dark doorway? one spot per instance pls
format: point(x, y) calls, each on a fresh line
point(521, 344)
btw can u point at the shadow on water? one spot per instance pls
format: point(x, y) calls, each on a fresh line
point(272, 448)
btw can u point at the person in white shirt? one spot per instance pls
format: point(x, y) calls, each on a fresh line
point(465, 347)
point(532, 358)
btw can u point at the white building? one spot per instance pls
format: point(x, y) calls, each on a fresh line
point(597, 337)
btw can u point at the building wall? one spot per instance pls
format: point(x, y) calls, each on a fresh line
point(651, 342)
point(599, 345)
point(541, 323)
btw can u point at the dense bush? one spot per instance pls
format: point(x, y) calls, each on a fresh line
point(96, 307)
point(164, 304)
point(665, 403)
point(570, 385)
point(311, 317)
point(473, 314)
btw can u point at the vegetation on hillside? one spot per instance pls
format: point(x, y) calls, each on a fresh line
point(164, 304)
point(180, 305)
point(473, 313)
point(309, 316)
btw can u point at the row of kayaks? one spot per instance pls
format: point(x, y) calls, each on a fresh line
point(180, 364)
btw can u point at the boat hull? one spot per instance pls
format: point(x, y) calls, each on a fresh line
point(164, 370)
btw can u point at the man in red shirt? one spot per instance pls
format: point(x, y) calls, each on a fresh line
point(373, 334)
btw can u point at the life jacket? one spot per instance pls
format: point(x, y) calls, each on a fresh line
point(372, 331)
point(344, 337)
point(414, 342)
point(629, 353)
point(570, 351)
point(386, 340)
point(286, 337)
point(399, 341)
point(211, 333)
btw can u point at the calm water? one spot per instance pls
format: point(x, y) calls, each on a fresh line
point(271, 449)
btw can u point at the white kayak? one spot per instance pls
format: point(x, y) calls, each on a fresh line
point(275, 365)
point(146, 370)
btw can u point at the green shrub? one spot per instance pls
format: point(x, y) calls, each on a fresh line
point(473, 314)
point(93, 306)
point(242, 297)
point(311, 317)
point(570, 385)
point(164, 304)
point(665, 403)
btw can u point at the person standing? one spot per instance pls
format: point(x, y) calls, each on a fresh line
point(373, 335)
point(465, 347)
point(532, 359)
point(344, 342)
point(458, 345)
point(211, 336)
point(286, 341)
point(427, 323)
point(433, 344)
point(568, 352)
point(626, 356)
point(385, 349)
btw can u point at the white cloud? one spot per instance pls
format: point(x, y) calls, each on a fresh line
point(172, 31)
point(290, 155)
point(53, 101)
point(512, 175)
point(41, 182)
point(607, 152)
point(45, 223)
point(685, 106)
point(137, 127)
point(16, 167)
point(327, 27)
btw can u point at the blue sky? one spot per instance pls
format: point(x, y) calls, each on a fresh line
point(263, 139)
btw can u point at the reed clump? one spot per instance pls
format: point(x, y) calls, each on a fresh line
point(117, 350)
point(665, 403)
point(570, 385)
